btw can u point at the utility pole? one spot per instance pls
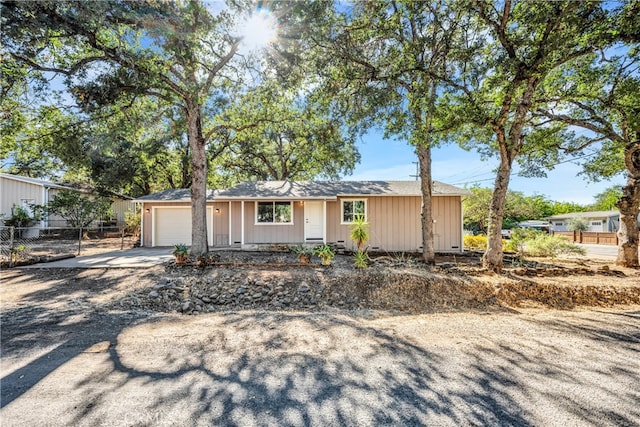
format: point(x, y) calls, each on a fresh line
point(417, 175)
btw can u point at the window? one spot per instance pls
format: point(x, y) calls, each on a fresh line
point(351, 209)
point(274, 213)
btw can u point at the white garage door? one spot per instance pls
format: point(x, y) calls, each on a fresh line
point(173, 226)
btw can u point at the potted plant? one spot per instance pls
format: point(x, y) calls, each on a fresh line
point(326, 254)
point(304, 253)
point(181, 252)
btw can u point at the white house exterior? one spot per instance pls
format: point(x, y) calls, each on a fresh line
point(601, 221)
point(22, 191)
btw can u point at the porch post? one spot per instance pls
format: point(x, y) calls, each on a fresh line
point(230, 240)
point(141, 223)
point(242, 223)
point(324, 220)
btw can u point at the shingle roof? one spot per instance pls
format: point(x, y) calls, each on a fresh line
point(310, 190)
point(174, 195)
point(323, 189)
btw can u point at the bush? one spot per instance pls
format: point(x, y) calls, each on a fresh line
point(578, 224)
point(520, 237)
point(475, 243)
point(132, 221)
point(547, 245)
point(20, 217)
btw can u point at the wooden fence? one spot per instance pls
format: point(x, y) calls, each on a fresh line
point(590, 237)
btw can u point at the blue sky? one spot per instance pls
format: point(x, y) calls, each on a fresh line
point(392, 160)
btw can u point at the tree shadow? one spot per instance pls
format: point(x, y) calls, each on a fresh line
point(298, 369)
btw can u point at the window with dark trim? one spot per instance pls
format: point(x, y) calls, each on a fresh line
point(353, 208)
point(274, 213)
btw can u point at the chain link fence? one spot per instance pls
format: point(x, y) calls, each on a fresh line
point(22, 246)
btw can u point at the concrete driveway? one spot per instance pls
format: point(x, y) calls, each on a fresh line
point(130, 258)
point(604, 252)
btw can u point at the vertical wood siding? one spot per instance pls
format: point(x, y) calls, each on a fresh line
point(236, 226)
point(220, 223)
point(273, 233)
point(12, 192)
point(120, 207)
point(394, 223)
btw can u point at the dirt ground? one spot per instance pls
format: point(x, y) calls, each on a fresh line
point(276, 343)
point(70, 357)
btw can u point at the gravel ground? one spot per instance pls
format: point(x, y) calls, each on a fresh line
point(70, 358)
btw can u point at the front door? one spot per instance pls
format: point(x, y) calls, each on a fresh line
point(313, 221)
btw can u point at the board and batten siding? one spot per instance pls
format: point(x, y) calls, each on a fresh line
point(220, 223)
point(273, 233)
point(120, 208)
point(236, 225)
point(394, 223)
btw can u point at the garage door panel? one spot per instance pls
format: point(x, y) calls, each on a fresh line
point(173, 226)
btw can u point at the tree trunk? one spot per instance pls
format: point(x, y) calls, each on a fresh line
point(493, 257)
point(199, 244)
point(629, 206)
point(424, 156)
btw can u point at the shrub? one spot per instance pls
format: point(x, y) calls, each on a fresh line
point(132, 221)
point(361, 259)
point(359, 232)
point(547, 245)
point(326, 254)
point(578, 224)
point(520, 237)
point(475, 243)
point(20, 217)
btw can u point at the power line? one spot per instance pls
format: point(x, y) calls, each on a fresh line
point(518, 175)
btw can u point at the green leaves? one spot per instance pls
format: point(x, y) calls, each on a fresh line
point(77, 209)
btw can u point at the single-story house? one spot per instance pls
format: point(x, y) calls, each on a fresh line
point(603, 221)
point(16, 190)
point(306, 212)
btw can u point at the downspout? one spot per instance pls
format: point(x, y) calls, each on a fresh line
point(242, 223)
point(44, 222)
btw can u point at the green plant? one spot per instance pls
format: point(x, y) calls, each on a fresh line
point(20, 217)
point(578, 223)
point(181, 252)
point(18, 252)
point(304, 253)
point(548, 245)
point(475, 243)
point(326, 254)
point(79, 210)
point(132, 221)
point(359, 231)
point(360, 259)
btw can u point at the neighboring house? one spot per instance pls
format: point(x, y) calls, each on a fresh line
point(25, 192)
point(307, 212)
point(603, 221)
point(535, 225)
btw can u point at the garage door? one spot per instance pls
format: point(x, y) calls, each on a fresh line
point(173, 226)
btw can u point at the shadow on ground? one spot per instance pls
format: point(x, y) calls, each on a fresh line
point(69, 363)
